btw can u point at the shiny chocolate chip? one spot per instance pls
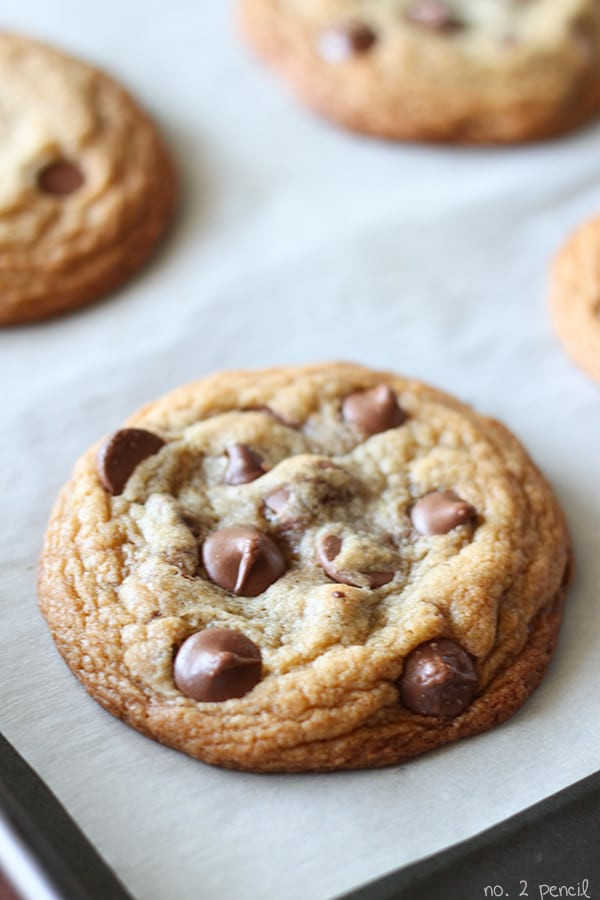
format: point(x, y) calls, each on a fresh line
point(341, 42)
point(328, 549)
point(60, 178)
point(440, 512)
point(433, 14)
point(439, 679)
point(276, 500)
point(122, 453)
point(373, 410)
point(217, 664)
point(242, 560)
point(244, 464)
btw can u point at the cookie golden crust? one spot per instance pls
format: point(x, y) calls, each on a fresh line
point(464, 71)
point(87, 186)
point(575, 297)
point(306, 569)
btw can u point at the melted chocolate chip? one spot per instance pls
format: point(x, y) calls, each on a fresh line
point(242, 560)
point(439, 679)
point(328, 549)
point(440, 512)
point(341, 42)
point(244, 464)
point(60, 178)
point(277, 499)
point(374, 410)
point(217, 664)
point(122, 453)
point(433, 14)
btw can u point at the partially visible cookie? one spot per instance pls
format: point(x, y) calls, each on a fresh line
point(467, 71)
point(575, 297)
point(306, 569)
point(87, 187)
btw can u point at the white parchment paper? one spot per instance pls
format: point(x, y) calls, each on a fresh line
point(296, 242)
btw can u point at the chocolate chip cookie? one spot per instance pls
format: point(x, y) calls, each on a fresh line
point(575, 297)
point(470, 71)
point(87, 187)
point(306, 569)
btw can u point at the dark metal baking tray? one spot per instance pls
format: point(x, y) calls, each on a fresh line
point(550, 850)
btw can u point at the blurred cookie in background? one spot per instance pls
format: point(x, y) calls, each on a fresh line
point(87, 187)
point(575, 297)
point(465, 71)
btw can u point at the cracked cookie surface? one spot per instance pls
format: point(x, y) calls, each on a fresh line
point(87, 186)
point(469, 71)
point(382, 570)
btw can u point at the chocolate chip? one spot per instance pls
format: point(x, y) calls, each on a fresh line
point(341, 42)
point(217, 664)
point(328, 549)
point(374, 410)
point(433, 14)
point(121, 453)
point(277, 499)
point(244, 464)
point(242, 560)
point(439, 679)
point(60, 178)
point(440, 512)
point(378, 579)
point(582, 32)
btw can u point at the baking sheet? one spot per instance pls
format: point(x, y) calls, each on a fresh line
point(297, 242)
